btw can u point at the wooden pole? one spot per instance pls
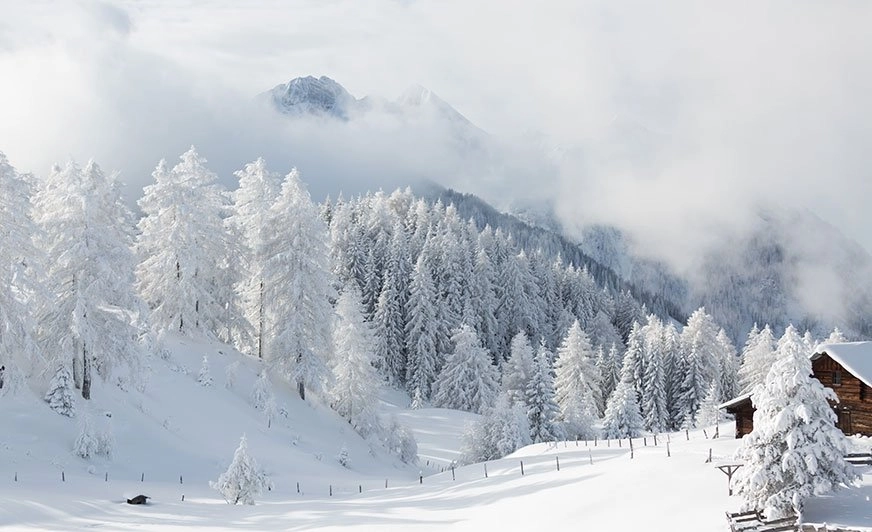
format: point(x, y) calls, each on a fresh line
point(331, 490)
point(558, 462)
point(668, 454)
point(452, 472)
point(485, 470)
point(631, 448)
point(63, 477)
point(522, 468)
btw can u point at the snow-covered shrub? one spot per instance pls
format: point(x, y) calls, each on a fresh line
point(343, 458)
point(204, 378)
point(87, 443)
point(397, 439)
point(230, 374)
point(243, 480)
point(262, 397)
point(502, 430)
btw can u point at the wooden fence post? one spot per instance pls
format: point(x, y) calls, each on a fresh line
point(63, 477)
point(331, 490)
point(558, 462)
point(522, 468)
point(668, 454)
point(485, 470)
point(452, 472)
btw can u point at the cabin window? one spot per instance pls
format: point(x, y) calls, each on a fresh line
point(837, 378)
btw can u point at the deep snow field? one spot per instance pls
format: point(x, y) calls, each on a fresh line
point(177, 428)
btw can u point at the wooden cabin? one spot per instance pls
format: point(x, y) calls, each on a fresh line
point(844, 367)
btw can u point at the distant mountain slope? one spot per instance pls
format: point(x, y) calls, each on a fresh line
point(530, 236)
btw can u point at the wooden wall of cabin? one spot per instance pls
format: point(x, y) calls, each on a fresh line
point(855, 398)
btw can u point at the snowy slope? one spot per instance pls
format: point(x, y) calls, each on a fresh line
point(650, 491)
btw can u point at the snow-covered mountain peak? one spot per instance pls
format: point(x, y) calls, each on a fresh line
point(311, 95)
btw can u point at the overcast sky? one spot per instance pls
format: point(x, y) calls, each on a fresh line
point(667, 118)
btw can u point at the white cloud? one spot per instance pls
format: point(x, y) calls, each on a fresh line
point(675, 118)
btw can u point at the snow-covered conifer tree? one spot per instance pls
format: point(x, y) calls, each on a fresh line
point(204, 378)
point(795, 450)
point(243, 480)
point(298, 288)
point(17, 276)
point(728, 368)
point(421, 332)
point(355, 386)
point(699, 347)
point(757, 357)
point(542, 409)
point(653, 397)
point(181, 246)
point(623, 418)
point(248, 226)
point(836, 337)
point(60, 396)
point(93, 317)
point(468, 381)
point(518, 369)
point(262, 397)
point(576, 385)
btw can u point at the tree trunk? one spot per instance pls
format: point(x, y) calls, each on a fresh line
point(77, 371)
point(260, 324)
point(301, 389)
point(86, 374)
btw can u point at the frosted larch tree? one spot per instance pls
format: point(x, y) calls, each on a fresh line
point(298, 288)
point(248, 227)
point(182, 247)
point(576, 384)
point(94, 318)
point(18, 350)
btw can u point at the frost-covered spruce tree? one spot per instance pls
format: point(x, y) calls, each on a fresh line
point(204, 378)
point(181, 248)
point(836, 337)
point(653, 405)
point(609, 366)
point(728, 368)
point(757, 357)
point(542, 409)
point(355, 386)
point(795, 450)
point(518, 369)
point(248, 227)
point(298, 288)
point(484, 301)
point(576, 383)
point(93, 316)
point(468, 380)
point(390, 314)
point(699, 347)
point(61, 391)
point(623, 418)
point(17, 277)
point(243, 480)
point(421, 332)
point(502, 430)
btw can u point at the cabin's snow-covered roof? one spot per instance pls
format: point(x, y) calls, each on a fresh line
point(733, 402)
point(856, 357)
